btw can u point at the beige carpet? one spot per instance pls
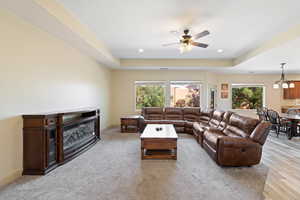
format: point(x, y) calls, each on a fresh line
point(112, 170)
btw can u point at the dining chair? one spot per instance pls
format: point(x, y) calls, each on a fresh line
point(278, 124)
point(262, 113)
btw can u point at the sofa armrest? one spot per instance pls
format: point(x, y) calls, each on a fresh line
point(236, 142)
point(260, 133)
point(234, 151)
point(141, 123)
point(142, 117)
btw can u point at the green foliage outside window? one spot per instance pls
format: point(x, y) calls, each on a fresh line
point(150, 96)
point(247, 98)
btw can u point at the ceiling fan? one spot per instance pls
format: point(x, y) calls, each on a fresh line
point(186, 41)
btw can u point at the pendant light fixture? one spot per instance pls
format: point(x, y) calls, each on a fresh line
point(283, 82)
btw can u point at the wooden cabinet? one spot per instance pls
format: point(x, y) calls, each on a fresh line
point(51, 139)
point(292, 93)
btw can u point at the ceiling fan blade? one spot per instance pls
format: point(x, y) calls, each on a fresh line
point(200, 35)
point(197, 44)
point(170, 44)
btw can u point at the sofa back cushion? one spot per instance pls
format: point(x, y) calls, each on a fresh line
point(240, 126)
point(153, 113)
point(172, 113)
point(225, 120)
point(205, 115)
point(216, 118)
point(191, 114)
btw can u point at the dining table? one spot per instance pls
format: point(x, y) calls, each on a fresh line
point(294, 119)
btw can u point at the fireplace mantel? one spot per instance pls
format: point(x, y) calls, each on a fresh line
point(52, 139)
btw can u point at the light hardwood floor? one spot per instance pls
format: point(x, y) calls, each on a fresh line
point(282, 156)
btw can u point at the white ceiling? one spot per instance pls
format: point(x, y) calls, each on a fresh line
point(265, 63)
point(235, 26)
point(269, 61)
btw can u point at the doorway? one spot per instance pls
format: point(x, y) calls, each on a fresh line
point(213, 98)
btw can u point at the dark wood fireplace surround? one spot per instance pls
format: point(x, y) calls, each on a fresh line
point(52, 139)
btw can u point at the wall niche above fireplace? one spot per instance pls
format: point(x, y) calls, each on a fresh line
point(52, 139)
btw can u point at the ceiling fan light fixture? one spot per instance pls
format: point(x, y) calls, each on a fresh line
point(186, 41)
point(184, 47)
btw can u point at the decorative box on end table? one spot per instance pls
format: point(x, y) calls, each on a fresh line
point(130, 124)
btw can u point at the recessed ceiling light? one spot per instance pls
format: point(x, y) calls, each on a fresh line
point(220, 50)
point(141, 50)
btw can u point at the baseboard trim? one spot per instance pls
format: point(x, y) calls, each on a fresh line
point(10, 178)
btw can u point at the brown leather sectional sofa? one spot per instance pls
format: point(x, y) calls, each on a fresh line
point(230, 139)
point(181, 118)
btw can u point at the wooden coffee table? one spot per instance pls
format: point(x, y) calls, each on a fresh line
point(159, 144)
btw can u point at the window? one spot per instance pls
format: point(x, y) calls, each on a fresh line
point(248, 96)
point(167, 93)
point(149, 94)
point(184, 94)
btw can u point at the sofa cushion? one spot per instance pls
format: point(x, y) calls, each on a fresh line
point(205, 115)
point(147, 121)
point(191, 118)
point(153, 110)
point(152, 113)
point(234, 132)
point(225, 120)
point(192, 110)
point(216, 118)
point(180, 123)
point(198, 127)
point(188, 131)
point(154, 117)
point(240, 125)
point(211, 137)
point(172, 113)
point(191, 114)
point(189, 124)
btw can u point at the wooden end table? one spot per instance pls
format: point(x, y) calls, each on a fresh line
point(130, 124)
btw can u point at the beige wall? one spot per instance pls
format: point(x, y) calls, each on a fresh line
point(123, 88)
point(273, 97)
point(41, 73)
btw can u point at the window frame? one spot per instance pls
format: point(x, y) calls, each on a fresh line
point(241, 85)
point(184, 82)
point(136, 83)
point(167, 90)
